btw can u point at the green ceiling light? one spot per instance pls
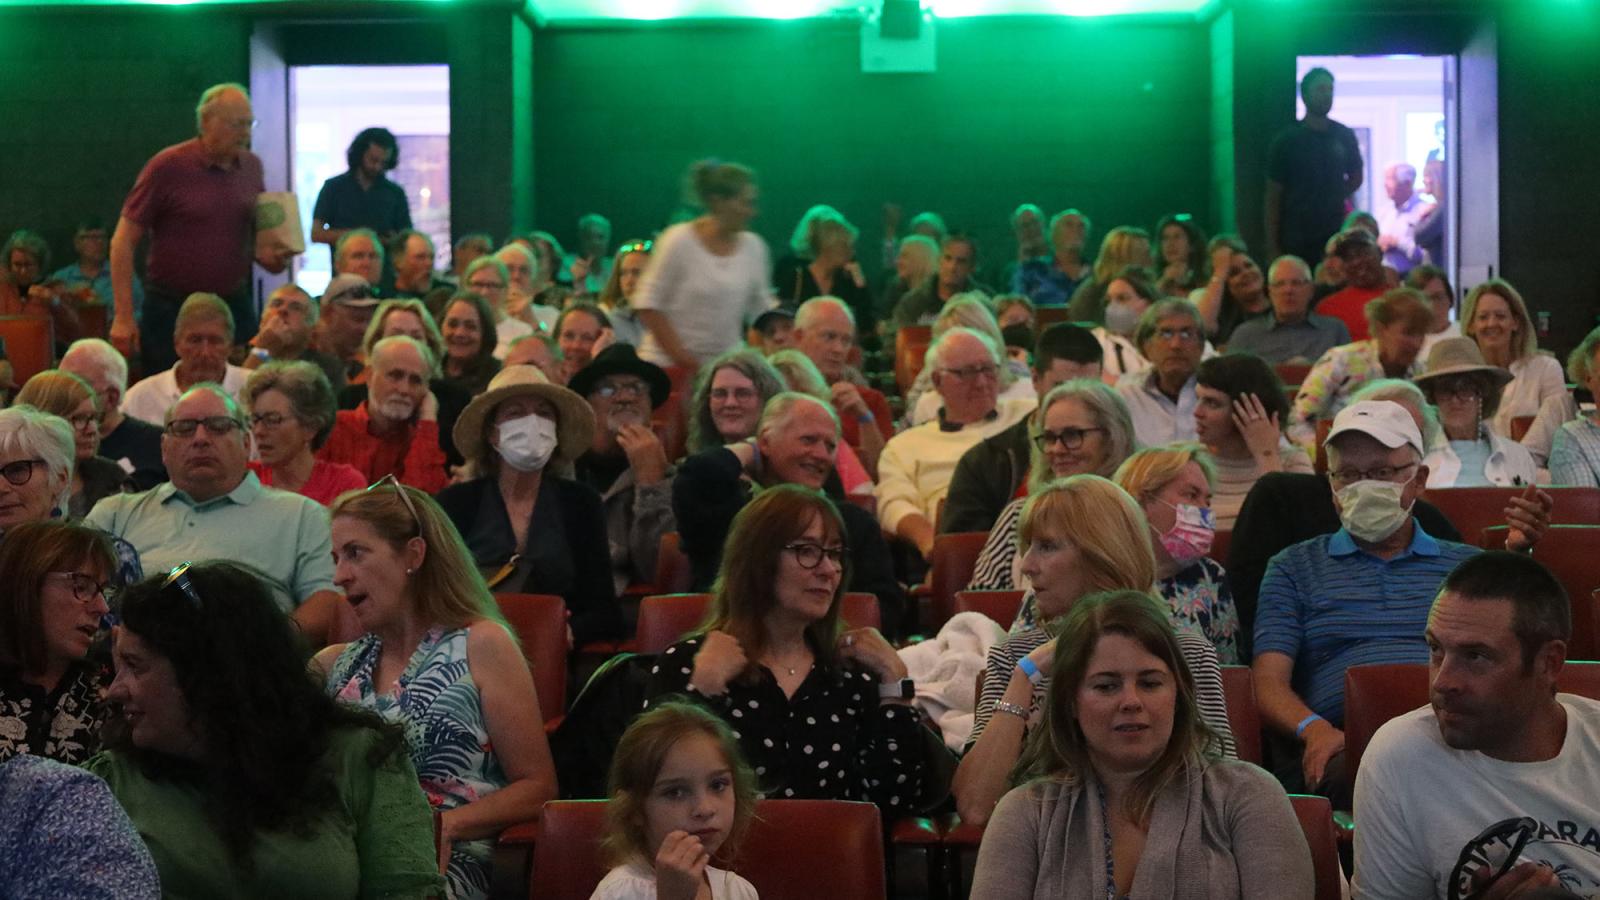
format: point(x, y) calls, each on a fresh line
point(648, 10)
point(956, 9)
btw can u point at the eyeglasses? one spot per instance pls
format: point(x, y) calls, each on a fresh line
point(85, 421)
point(1070, 438)
point(809, 556)
point(743, 395)
point(1514, 833)
point(1399, 474)
point(635, 247)
point(486, 286)
point(609, 389)
point(271, 420)
point(1290, 282)
point(405, 496)
point(973, 373)
point(1183, 334)
point(357, 292)
point(84, 587)
point(179, 578)
point(1461, 390)
point(19, 472)
point(216, 425)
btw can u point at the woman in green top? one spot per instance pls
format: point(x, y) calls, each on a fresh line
point(243, 777)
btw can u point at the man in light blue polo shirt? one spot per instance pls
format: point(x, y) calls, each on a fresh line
point(215, 508)
point(1357, 596)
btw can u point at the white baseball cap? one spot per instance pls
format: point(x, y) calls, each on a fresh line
point(1385, 421)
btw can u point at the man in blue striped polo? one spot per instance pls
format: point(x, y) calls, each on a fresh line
point(1354, 597)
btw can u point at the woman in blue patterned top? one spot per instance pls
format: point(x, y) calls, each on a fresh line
point(439, 660)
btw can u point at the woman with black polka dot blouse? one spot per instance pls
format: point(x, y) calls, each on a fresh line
point(819, 711)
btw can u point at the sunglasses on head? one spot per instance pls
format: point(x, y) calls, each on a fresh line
point(636, 247)
point(405, 496)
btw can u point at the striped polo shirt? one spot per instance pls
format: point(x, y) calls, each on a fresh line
point(1329, 605)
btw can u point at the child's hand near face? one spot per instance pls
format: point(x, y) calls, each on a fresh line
point(680, 866)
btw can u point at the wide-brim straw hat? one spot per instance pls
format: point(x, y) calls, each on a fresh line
point(575, 420)
point(1458, 356)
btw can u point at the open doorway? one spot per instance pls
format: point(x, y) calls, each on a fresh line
point(330, 105)
point(1402, 110)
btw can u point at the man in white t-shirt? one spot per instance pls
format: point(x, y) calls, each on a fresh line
point(1497, 743)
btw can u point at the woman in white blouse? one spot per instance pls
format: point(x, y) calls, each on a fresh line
point(1496, 318)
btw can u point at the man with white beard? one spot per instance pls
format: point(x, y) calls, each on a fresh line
point(627, 464)
point(395, 431)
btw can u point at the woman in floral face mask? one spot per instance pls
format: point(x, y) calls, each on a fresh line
point(530, 529)
point(1173, 485)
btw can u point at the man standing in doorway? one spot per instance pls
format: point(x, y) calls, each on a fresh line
point(1313, 166)
point(362, 197)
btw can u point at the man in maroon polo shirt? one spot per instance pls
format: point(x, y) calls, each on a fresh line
point(196, 201)
point(825, 330)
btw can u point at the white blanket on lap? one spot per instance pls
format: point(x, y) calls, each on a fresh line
point(946, 671)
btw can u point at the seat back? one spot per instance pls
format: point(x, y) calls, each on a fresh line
point(1001, 606)
point(673, 573)
point(795, 849)
point(1045, 316)
point(665, 618)
point(1292, 374)
point(540, 623)
point(1472, 509)
point(951, 563)
point(859, 609)
point(1239, 692)
point(1568, 551)
point(1520, 426)
point(1323, 427)
point(30, 345)
point(910, 350)
point(670, 421)
point(1316, 820)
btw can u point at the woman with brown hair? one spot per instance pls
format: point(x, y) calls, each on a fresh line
point(1129, 797)
point(821, 711)
point(66, 396)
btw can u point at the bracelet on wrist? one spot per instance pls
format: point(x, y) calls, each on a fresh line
point(1300, 730)
point(1011, 709)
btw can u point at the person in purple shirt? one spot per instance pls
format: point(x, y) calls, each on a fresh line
point(196, 202)
point(62, 834)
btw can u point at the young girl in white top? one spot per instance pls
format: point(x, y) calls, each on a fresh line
point(680, 793)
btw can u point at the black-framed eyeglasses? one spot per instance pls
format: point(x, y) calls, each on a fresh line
point(85, 587)
point(83, 421)
point(636, 247)
point(271, 419)
point(1514, 833)
point(973, 373)
point(179, 578)
point(809, 556)
point(405, 496)
point(1352, 475)
point(214, 425)
point(1070, 438)
point(20, 472)
point(609, 389)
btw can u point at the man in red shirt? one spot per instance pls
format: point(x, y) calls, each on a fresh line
point(825, 330)
point(396, 429)
point(1364, 281)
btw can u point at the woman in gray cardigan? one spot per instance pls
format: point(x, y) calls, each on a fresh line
point(1128, 798)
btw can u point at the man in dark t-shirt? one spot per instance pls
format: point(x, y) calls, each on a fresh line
point(1312, 168)
point(362, 197)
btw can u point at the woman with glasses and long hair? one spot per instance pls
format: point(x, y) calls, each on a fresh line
point(616, 297)
point(291, 415)
point(69, 397)
point(52, 687)
point(439, 660)
point(729, 394)
point(241, 775)
point(822, 711)
point(1126, 793)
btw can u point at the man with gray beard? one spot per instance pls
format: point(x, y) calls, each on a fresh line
point(628, 464)
point(395, 431)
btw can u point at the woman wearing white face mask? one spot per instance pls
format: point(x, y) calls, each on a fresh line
point(530, 530)
point(1173, 485)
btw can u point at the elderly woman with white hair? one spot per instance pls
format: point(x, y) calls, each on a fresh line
point(968, 310)
point(522, 290)
point(529, 529)
point(69, 397)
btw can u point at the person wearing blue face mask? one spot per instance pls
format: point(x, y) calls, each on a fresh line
point(1357, 596)
point(529, 529)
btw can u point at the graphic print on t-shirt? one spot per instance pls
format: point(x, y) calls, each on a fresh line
point(1570, 849)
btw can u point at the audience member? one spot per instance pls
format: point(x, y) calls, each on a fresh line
point(525, 279)
point(216, 508)
point(828, 268)
point(1123, 246)
point(581, 331)
point(772, 331)
point(546, 282)
point(800, 374)
point(360, 252)
point(1495, 317)
point(1435, 285)
point(1081, 427)
point(1495, 746)
point(913, 264)
point(729, 395)
point(133, 444)
point(1399, 319)
point(920, 305)
point(588, 267)
point(1291, 333)
point(774, 652)
point(1080, 535)
point(1239, 413)
point(1398, 219)
point(1162, 399)
point(438, 660)
point(25, 292)
point(996, 470)
point(361, 196)
point(1313, 166)
point(540, 350)
point(616, 298)
point(794, 444)
point(529, 530)
point(469, 362)
point(707, 278)
point(53, 670)
point(203, 335)
point(287, 323)
point(1183, 255)
point(1364, 281)
point(395, 431)
point(1051, 280)
point(240, 775)
point(1467, 391)
point(1027, 227)
point(1236, 292)
point(1575, 450)
point(291, 416)
point(627, 463)
point(1357, 596)
point(923, 403)
point(1015, 311)
point(1128, 295)
point(489, 278)
point(66, 396)
point(916, 466)
point(467, 250)
point(825, 331)
point(413, 265)
point(408, 317)
point(1431, 226)
point(197, 203)
point(62, 834)
point(91, 269)
point(345, 311)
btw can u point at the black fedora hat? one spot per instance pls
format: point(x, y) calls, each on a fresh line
point(621, 359)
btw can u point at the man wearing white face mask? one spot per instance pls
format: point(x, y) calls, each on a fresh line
point(1357, 596)
point(530, 530)
point(395, 431)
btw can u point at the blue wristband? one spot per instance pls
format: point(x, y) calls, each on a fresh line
point(1029, 669)
point(1300, 730)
